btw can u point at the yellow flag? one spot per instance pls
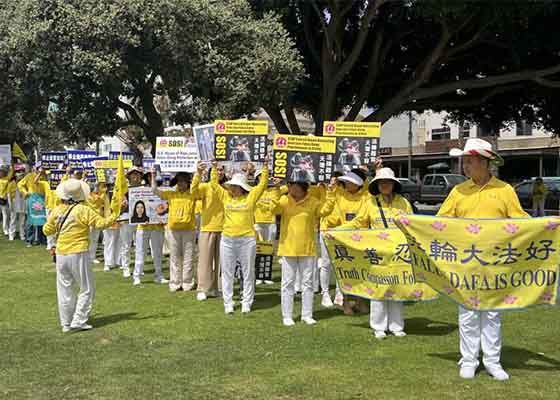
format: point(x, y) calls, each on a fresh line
point(120, 189)
point(17, 152)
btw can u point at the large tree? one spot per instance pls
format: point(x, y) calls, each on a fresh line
point(104, 63)
point(384, 57)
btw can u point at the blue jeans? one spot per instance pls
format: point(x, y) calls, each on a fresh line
point(34, 234)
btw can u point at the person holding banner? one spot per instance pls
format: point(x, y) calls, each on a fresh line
point(127, 231)
point(34, 194)
point(482, 196)
point(5, 177)
point(238, 242)
point(181, 234)
point(51, 200)
point(211, 226)
point(380, 211)
point(70, 223)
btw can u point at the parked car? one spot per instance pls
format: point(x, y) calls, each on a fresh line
point(524, 191)
point(410, 189)
point(436, 187)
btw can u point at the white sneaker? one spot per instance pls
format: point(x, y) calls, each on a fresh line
point(245, 309)
point(188, 288)
point(136, 281)
point(66, 329)
point(258, 282)
point(29, 245)
point(229, 310)
point(380, 335)
point(201, 296)
point(268, 283)
point(11, 239)
point(96, 261)
point(326, 301)
point(308, 321)
point(83, 327)
point(106, 268)
point(126, 273)
point(288, 322)
point(161, 281)
point(498, 373)
point(399, 333)
point(467, 371)
point(339, 300)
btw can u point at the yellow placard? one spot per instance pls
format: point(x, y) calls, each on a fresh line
point(265, 248)
point(111, 164)
point(352, 129)
point(307, 144)
point(240, 127)
point(375, 264)
point(484, 264)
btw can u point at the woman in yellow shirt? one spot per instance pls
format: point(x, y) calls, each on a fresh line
point(181, 233)
point(4, 206)
point(17, 206)
point(70, 222)
point(380, 211)
point(98, 201)
point(238, 243)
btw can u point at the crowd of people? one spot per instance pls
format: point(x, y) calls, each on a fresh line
point(222, 219)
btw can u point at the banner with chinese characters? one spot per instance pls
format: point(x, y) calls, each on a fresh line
point(303, 158)
point(375, 264)
point(176, 153)
point(264, 261)
point(89, 168)
point(240, 140)
point(357, 143)
point(55, 177)
point(75, 158)
point(498, 264)
point(53, 160)
point(106, 170)
point(126, 155)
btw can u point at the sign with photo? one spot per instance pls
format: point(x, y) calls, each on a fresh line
point(303, 158)
point(55, 177)
point(204, 138)
point(240, 140)
point(357, 143)
point(53, 160)
point(5, 154)
point(144, 207)
point(176, 153)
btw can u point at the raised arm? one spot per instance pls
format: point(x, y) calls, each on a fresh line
point(256, 193)
point(215, 184)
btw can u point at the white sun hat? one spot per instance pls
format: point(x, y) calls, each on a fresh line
point(387, 174)
point(73, 189)
point(478, 147)
point(239, 180)
point(352, 178)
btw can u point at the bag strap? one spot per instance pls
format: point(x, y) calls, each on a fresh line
point(62, 221)
point(382, 213)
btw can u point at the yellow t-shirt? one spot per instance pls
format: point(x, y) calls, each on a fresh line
point(182, 206)
point(239, 212)
point(347, 206)
point(496, 199)
point(212, 209)
point(264, 209)
point(74, 236)
point(28, 186)
point(370, 216)
point(298, 226)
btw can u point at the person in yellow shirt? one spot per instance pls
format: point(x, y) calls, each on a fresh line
point(4, 206)
point(111, 238)
point(32, 189)
point(151, 235)
point(98, 200)
point(70, 222)
point(211, 225)
point(481, 196)
point(127, 231)
point(18, 210)
point(300, 213)
point(379, 212)
point(181, 233)
point(540, 192)
point(238, 242)
point(51, 199)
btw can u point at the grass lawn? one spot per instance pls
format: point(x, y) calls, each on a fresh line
point(150, 344)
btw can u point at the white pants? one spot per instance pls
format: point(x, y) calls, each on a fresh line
point(17, 222)
point(74, 269)
point(154, 239)
point(5, 210)
point(181, 248)
point(242, 249)
point(111, 247)
point(480, 329)
point(93, 242)
point(386, 316)
point(126, 235)
point(266, 231)
point(290, 266)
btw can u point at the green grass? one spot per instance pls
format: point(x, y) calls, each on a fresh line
point(150, 344)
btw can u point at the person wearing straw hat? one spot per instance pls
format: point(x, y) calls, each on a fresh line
point(379, 212)
point(481, 196)
point(238, 242)
point(181, 233)
point(70, 222)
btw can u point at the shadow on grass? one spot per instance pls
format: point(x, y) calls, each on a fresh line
point(513, 358)
point(98, 322)
point(266, 300)
point(422, 327)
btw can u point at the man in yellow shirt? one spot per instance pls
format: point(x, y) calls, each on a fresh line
point(71, 223)
point(482, 196)
point(4, 206)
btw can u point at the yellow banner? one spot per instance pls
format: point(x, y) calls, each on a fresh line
point(350, 128)
point(240, 127)
point(499, 264)
point(120, 189)
point(17, 152)
point(307, 144)
point(111, 164)
point(375, 264)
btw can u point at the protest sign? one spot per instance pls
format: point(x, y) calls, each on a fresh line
point(5, 154)
point(55, 177)
point(204, 138)
point(176, 153)
point(357, 143)
point(127, 155)
point(264, 260)
point(75, 158)
point(375, 264)
point(303, 158)
point(36, 213)
point(240, 140)
point(105, 170)
point(53, 160)
point(89, 168)
point(144, 207)
point(486, 264)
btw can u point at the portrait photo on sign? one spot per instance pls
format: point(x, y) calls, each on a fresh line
point(302, 168)
point(146, 208)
